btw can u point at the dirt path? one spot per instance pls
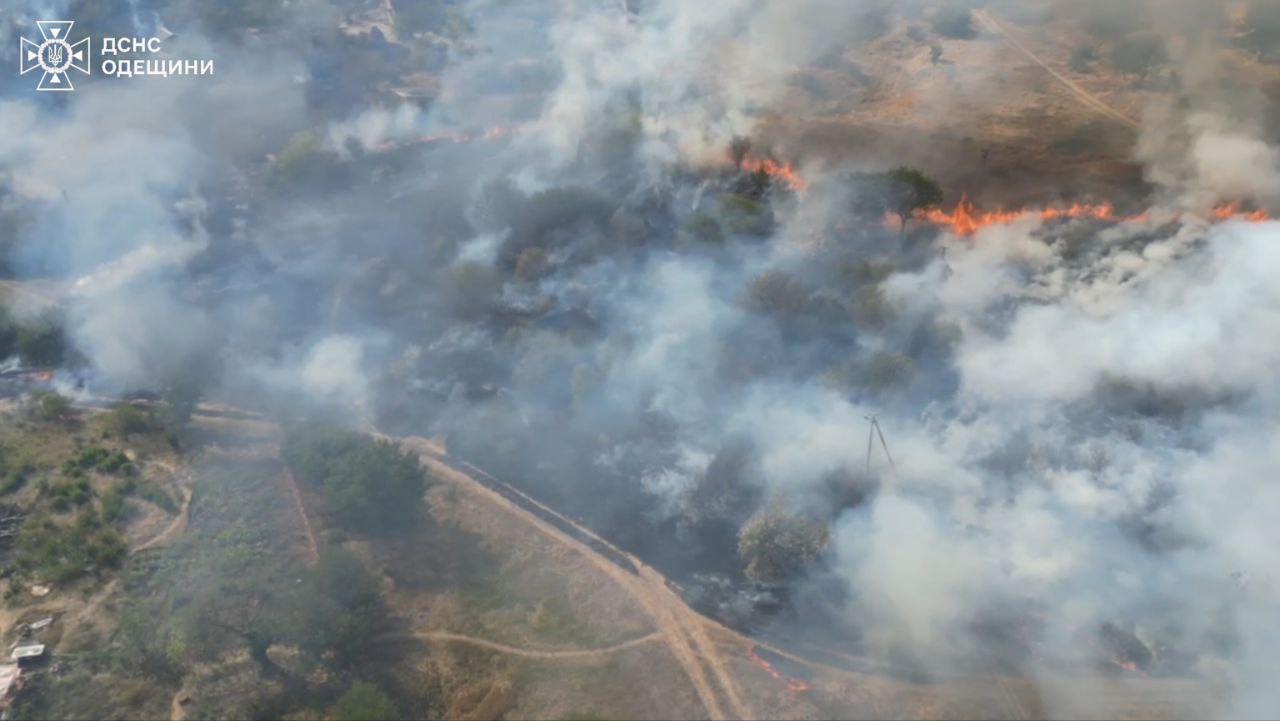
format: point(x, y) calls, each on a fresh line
point(176, 710)
point(599, 653)
point(990, 22)
point(312, 549)
point(175, 527)
point(680, 627)
point(170, 532)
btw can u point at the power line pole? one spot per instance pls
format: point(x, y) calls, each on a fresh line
point(872, 433)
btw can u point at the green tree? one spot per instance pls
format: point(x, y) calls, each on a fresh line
point(368, 485)
point(125, 419)
point(340, 609)
point(42, 342)
point(777, 545)
point(144, 648)
point(364, 702)
point(181, 395)
point(902, 191)
point(48, 406)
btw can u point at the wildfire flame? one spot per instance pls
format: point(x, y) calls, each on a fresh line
point(967, 219)
point(1123, 661)
point(793, 684)
point(1229, 211)
point(778, 171)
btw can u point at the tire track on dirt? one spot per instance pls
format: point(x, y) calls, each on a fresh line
point(690, 648)
point(691, 623)
point(598, 653)
point(313, 550)
point(990, 22)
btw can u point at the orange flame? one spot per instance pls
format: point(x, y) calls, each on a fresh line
point(967, 219)
point(1123, 661)
point(1235, 210)
point(782, 172)
point(793, 684)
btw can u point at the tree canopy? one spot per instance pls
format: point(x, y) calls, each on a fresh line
point(340, 608)
point(367, 484)
point(42, 342)
point(777, 544)
point(902, 191)
point(364, 702)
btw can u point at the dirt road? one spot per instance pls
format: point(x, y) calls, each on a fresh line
point(991, 23)
point(286, 475)
point(683, 630)
point(597, 654)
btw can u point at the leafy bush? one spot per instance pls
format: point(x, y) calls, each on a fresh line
point(74, 490)
point(367, 484)
point(778, 545)
point(181, 395)
point(42, 342)
point(125, 419)
point(902, 191)
point(48, 406)
point(364, 702)
point(100, 459)
point(61, 553)
point(341, 608)
point(15, 469)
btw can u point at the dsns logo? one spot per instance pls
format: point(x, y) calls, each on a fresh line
point(54, 55)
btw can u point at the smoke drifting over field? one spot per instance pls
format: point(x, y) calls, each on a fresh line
point(553, 265)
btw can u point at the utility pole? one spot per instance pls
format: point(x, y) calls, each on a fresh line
point(875, 432)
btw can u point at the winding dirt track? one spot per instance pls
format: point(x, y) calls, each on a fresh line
point(990, 22)
point(683, 630)
point(172, 531)
point(313, 550)
point(598, 653)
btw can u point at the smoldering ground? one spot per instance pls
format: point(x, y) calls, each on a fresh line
point(556, 265)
